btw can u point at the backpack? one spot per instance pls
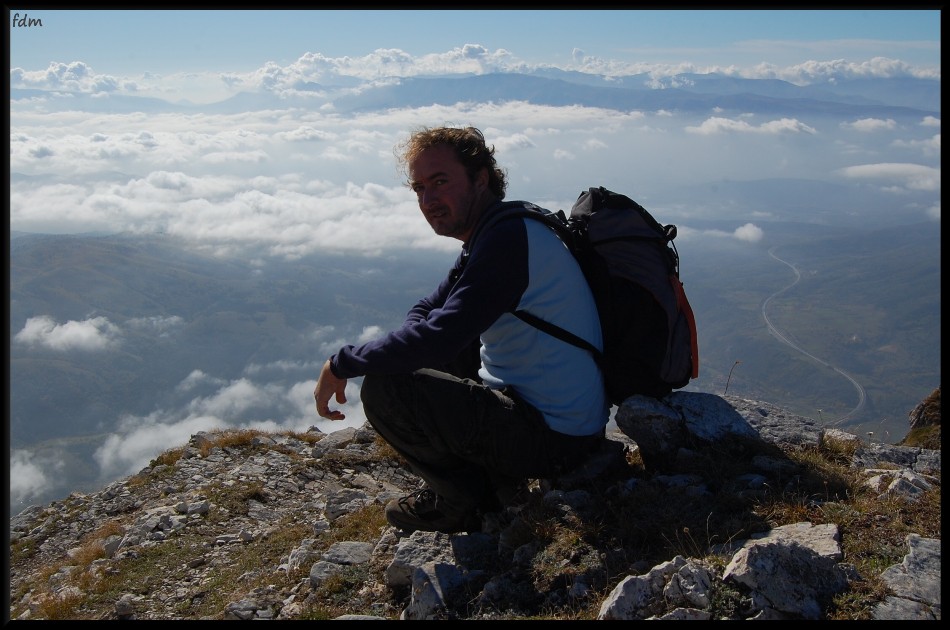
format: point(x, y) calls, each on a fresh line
point(632, 267)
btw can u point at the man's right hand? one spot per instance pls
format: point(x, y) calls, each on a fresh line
point(328, 385)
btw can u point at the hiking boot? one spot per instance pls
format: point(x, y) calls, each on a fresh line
point(425, 510)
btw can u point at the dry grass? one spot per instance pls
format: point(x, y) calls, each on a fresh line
point(630, 524)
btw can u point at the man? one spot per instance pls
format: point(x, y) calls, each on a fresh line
point(532, 406)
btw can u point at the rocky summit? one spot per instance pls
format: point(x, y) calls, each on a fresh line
point(698, 507)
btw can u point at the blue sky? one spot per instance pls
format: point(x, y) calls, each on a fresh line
point(123, 42)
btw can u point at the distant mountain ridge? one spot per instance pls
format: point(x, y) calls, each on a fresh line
point(418, 92)
point(691, 92)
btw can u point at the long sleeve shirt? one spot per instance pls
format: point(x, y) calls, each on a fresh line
point(516, 264)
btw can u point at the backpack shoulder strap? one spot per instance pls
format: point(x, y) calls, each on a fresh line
point(558, 222)
point(559, 333)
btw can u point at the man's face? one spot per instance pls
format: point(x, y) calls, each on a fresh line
point(449, 201)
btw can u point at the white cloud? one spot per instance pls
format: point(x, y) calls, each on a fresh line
point(507, 144)
point(839, 69)
point(31, 474)
point(930, 121)
point(369, 333)
point(717, 124)
point(196, 378)
point(127, 453)
point(236, 398)
point(929, 147)
point(329, 340)
point(224, 157)
point(749, 232)
point(97, 333)
point(302, 76)
point(381, 63)
point(306, 134)
point(240, 212)
point(870, 124)
point(75, 76)
point(140, 439)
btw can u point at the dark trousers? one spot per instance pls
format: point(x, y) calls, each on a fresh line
point(465, 439)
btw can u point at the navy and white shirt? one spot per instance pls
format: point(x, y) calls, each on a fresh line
point(516, 264)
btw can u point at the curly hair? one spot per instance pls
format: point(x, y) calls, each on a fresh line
point(469, 146)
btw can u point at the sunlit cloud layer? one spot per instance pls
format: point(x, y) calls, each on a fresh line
point(295, 182)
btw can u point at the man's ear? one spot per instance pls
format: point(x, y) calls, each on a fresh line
point(481, 180)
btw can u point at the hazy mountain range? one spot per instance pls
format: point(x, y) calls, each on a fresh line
point(685, 93)
point(192, 330)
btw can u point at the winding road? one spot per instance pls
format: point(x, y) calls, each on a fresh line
point(862, 394)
